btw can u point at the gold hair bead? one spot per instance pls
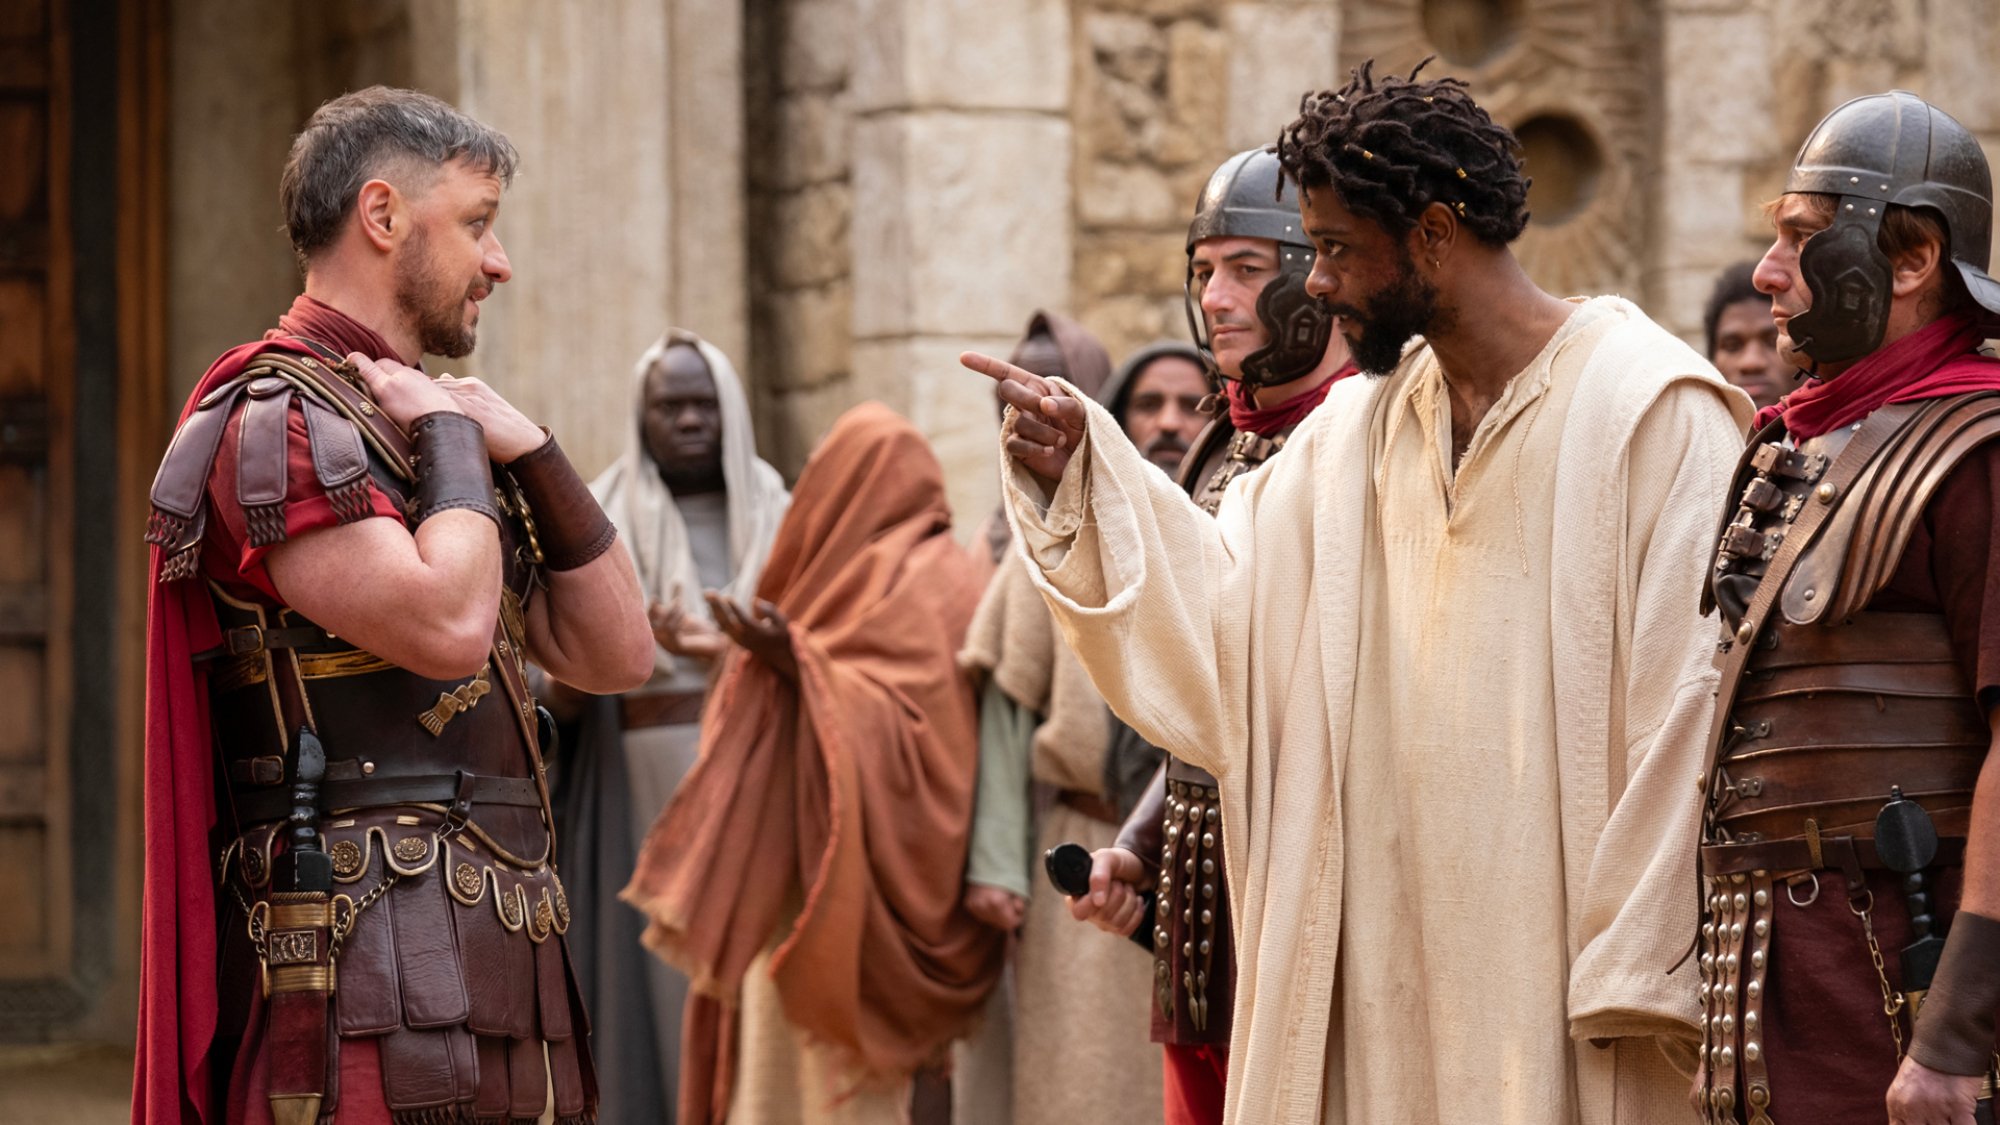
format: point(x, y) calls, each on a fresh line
point(1366, 155)
point(1461, 173)
point(1461, 208)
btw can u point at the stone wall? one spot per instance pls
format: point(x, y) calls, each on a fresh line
point(915, 203)
point(801, 199)
point(1165, 90)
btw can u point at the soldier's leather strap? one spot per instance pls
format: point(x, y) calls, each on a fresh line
point(1847, 466)
point(428, 789)
point(507, 661)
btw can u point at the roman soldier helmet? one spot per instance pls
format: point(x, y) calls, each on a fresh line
point(1872, 152)
point(1250, 197)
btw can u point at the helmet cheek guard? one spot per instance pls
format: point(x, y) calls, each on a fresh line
point(1873, 153)
point(1297, 324)
point(1849, 278)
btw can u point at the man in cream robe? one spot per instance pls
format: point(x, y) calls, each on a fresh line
point(698, 509)
point(1454, 687)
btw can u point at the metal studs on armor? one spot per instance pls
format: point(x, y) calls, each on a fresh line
point(346, 857)
point(1763, 925)
point(1752, 1052)
point(1742, 900)
point(1756, 959)
point(1754, 989)
point(1208, 839)
point(1761, 898)
point(410, 849)
point(1208, 917)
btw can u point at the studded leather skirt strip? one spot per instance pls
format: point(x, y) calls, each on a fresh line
point(1193, 958)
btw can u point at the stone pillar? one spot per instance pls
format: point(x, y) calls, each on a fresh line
point(230, 270)
point(1718, 162)
point(961, 209)
point(626, 215)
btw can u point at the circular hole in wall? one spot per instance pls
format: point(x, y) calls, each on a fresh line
point(1565, 163)
point(1470, 32)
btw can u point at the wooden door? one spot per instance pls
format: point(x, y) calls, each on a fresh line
point(36, 489)
point(81, 427)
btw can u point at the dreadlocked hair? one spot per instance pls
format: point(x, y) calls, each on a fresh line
point(1391, 147)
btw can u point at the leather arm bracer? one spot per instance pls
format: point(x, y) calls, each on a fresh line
point(569, 523)
point(451, 467)
point(1955, 1030)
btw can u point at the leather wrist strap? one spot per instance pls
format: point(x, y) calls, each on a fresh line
point(1955, 1029)
point(452, 472)
point(569, 524)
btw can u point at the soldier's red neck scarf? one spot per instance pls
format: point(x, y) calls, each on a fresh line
point(173, 1074)
point(1932, 362)
point(1245, 414)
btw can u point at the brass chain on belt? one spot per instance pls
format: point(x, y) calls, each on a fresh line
point(340, 929)
point(1892, 1001)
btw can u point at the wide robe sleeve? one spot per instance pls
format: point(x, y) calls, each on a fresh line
point(1635, 915)
point(1138, 577)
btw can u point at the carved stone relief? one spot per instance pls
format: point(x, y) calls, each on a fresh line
point(1575, 80)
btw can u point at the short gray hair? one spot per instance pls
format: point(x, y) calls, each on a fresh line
point(355, 137)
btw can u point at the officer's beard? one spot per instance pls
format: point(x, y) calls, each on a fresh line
point(434, 300)
point(1391, 317)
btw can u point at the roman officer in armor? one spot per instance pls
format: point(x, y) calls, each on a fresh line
point(1277, 355)
point(1850, 869)
point(352, 911)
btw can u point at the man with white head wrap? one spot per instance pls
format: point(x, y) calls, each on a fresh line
point(698, 509)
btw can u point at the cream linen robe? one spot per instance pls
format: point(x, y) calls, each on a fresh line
point(1457, 723)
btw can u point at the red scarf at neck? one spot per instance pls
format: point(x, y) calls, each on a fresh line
point(1932, 362)
point(1245, 414)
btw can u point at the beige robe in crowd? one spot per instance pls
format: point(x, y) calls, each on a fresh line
point(680, 546)
point(1457, 716)
point(1078, 1041)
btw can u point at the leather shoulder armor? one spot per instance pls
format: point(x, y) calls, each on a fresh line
point(1863, 544)
point(342, 427)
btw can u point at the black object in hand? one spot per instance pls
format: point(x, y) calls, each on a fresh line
point(1069, 869)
